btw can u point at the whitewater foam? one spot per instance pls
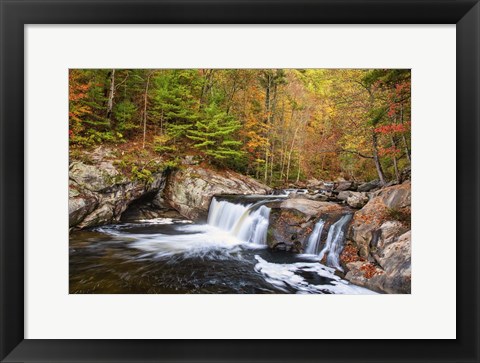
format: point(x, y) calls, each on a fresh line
point(286, 276)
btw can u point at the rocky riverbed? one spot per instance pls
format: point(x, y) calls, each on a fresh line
point(376, 240)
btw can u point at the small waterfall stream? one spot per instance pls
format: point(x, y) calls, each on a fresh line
point(248, 223)
point(334, 244)
point(314, 239)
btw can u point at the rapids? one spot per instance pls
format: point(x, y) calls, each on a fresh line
point(226, 255)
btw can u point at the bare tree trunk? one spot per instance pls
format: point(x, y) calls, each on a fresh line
point(145, 109)
point(271, 164)
point(290, 152)
point(407, 150)
point(111, 95)
point(395, 165)
point(266, 164)
point(207, 85)
point(298, 171)
point(376, 158)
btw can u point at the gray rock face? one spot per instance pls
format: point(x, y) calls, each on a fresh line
point(357, 199)
point(292, 221)
point(190, 190)
point(366, 187)
point(380, 232)
point(343, 195)
point(377, 211)
point(344, 185)
point(99, 194)
point(394, 272)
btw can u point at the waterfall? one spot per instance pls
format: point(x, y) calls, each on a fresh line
point(314, 239)
point(248, 223)
point(224, 215)
point(334, 245)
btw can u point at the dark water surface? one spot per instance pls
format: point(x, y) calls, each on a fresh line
point(167, 256)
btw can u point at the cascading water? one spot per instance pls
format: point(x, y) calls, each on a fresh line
point(224, 215)
point(166, 255)
point(314, 239)
point(334, 245)
point(248, 223)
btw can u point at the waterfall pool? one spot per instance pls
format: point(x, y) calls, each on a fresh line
point(227, 255)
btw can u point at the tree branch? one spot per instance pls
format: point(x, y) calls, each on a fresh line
point(345, 151)
point(357, 153)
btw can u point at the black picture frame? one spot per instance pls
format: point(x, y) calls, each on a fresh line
point(16, 13)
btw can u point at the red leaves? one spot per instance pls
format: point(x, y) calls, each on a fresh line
point(392, 128)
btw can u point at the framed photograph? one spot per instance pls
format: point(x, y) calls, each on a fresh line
point(239, 181)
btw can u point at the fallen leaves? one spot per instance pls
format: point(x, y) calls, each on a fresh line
point(369, 270)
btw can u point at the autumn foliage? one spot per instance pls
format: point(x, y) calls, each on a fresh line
point(282, 126)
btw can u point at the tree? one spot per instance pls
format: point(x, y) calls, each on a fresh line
point(213, 135)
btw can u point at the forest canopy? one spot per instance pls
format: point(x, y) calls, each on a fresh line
point(281, 126)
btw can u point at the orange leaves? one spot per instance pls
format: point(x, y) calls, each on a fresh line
point(389, 151)
point(392, 128)
point(77, 92)
point(369, 270)
point(350, 254)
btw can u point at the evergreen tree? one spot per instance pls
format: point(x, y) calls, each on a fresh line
point(214, 134)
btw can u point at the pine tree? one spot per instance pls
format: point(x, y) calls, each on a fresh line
point(214, 135)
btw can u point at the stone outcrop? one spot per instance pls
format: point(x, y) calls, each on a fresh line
point(99, 194)
point(393, 272)
point(292, 221)
point(380, 231)
point(191, 189)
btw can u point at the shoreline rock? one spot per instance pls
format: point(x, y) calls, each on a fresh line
point(99, 194)
point(380, 232)
point(293, 220)
point(190, 190)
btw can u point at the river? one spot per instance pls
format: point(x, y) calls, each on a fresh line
point(227, 255)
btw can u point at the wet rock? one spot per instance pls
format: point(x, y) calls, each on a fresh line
point(366, 187)
point(318, 196)
point(190, 190)
point(293, 220)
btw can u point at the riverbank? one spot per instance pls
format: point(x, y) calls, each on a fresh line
point(364, 232)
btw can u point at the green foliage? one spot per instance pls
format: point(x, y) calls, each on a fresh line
point(170, 164)
point(274, 124)
point(124, 113)
point(214, 134)
point(141, 174)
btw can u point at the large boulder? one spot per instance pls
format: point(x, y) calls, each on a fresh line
point(392, 274)
point(386, 204)
point(293, 220)
point(100, 194)
point(380, 233)
point(357, 199)
point(191, 189)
